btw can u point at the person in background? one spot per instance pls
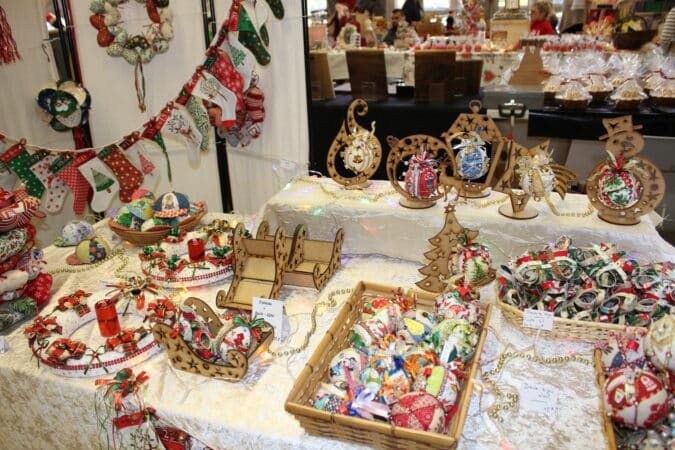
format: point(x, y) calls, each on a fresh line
point(390, 37)
point(449, 24)
point(367, 6)
point(412, 10)
point(340, 18)
point(539, 23)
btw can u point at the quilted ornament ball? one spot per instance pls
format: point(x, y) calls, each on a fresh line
point(635, 398)
point(419, 411)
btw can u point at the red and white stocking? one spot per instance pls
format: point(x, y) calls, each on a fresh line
point(128, 176)
point(76, 182)
point(56, 188)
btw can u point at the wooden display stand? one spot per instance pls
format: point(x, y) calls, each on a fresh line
point(448, 242)
point(258, 266)
point(488, 131)
point(517, 207)
point(349, 129)
point(531, 70)
point(623, 145)
point(182, 357)
point(310, 263)
point(401, 151)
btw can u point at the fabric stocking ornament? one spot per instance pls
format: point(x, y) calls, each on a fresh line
point(249, 37)
point(139, 158)
point(277, 8)
point(128, 176)
point(56, 188)
point(102, 181)
point(75, 181)
point(201, 121)
point(180, 125)
point(19, 161)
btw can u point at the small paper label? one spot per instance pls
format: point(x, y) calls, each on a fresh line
point(4, 345)
point(287, 164)
point(539, 398)
point(539, 320)
point(272, 312)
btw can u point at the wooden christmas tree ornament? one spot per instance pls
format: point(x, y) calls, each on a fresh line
point(182, 356)
point(420, 153)
point(310, 263)
point(469, 134)
point(355, 153)
point(625, 186)
point(447, 244)
point(258, 266)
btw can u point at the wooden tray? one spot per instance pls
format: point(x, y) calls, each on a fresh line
point(581, 330)
point(143, 238)
point(183, 358)
point(362, 431)
point(606, 420)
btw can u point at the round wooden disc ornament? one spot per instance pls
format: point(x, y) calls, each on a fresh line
point(356, 150)
point(420, 153)
point(468, 137)
point(625, 186)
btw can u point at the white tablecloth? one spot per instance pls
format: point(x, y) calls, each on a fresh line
point(384, 227)
point(393, 61)
point(41, 410)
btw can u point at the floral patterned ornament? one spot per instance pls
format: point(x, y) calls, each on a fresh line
point(360, 153)
point(64, 105)
point(472, 159)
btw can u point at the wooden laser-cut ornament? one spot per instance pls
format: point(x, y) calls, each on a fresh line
point(402, 150)
point(625, 186)
point(451, 240)
point(359, 148)
point(484, 127)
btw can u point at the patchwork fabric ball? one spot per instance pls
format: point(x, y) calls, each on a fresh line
point(395, 384)
point(471, 159)
point(419, 411)
point(350, 359)
point(440, 382)
point(624, 350)
point(237, 338)
point(619, 189)
point(360, 153)
point(89, 251)
point(457, 337)
point(372, 379)
point(419, 358)
point(367, 333)
point(660, 343)
point(451, 305)
point(421, 180)
point(12, 242)
point(327, 401)
point(142, 208)
point(635, 398)
point(171, 204)
point(416, 326)
point(74, 232)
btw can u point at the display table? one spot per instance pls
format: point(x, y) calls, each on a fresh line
point(48, 411)
point(374, 222)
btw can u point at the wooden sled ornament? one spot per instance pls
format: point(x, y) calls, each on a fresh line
point(182, 357)
point(402, 151)
point(311, 263)
point(360, 150)
point(477, 125)
point(258, 266)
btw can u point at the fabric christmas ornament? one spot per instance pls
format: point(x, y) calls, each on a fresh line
point(240, 24)
point(19, 161)
point(64, 105)
point(200, 118)
point(242, 60)
point(66, 166)
point(9, 53)
point(180, 124)
point(128, 176)
point(222, 102)
point(56, 188)
point(220, 65)
point(102, 181)
point(139, 158)
point(152, 133)
point(277, 8)
point(39, 289)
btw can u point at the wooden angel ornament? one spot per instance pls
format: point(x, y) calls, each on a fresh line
point(531, 173)
point(355, 153)
point(625, 186)
point(475, 147)
point(456, 257)
point(415, 159)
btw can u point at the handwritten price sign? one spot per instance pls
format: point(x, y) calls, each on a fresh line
point(540, 399)
point(272, 312)
point(539, 320)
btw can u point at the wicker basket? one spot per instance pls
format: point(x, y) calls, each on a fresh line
point(362, 431)
point(142, 238)
point(606, 420)
point(580, 330)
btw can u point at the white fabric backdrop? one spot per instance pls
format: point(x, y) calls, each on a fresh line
point(20, 83)
point(268, 163)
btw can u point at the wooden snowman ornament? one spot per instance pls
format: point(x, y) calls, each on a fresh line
point(419, 155)
point(355, 153)
point(625, 186)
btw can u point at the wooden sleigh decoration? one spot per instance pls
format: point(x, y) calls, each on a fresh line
point(258, 266)
point(182, 356)
point(311, 263)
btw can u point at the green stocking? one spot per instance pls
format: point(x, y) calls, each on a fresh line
point(248, 36)
point(277, 8)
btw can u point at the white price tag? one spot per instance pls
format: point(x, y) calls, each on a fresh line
point(272, 312)
point(4, 345)
point(539, 398)
point(539, 320)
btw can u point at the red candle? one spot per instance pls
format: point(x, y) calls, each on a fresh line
point(196, 249)
point(106, 315)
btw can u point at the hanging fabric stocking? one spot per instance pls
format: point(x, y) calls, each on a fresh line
point(66, 168)
point(128, 176)
point(181, 125)
point(56, 188)
point(9, 53)
point(102, 181)
point(201, 120)
point(277, 8)
point(153, 134)
point(248, 35)
point(19, 161)
point(135, 151)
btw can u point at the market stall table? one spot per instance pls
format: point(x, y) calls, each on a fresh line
point(375, 223)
